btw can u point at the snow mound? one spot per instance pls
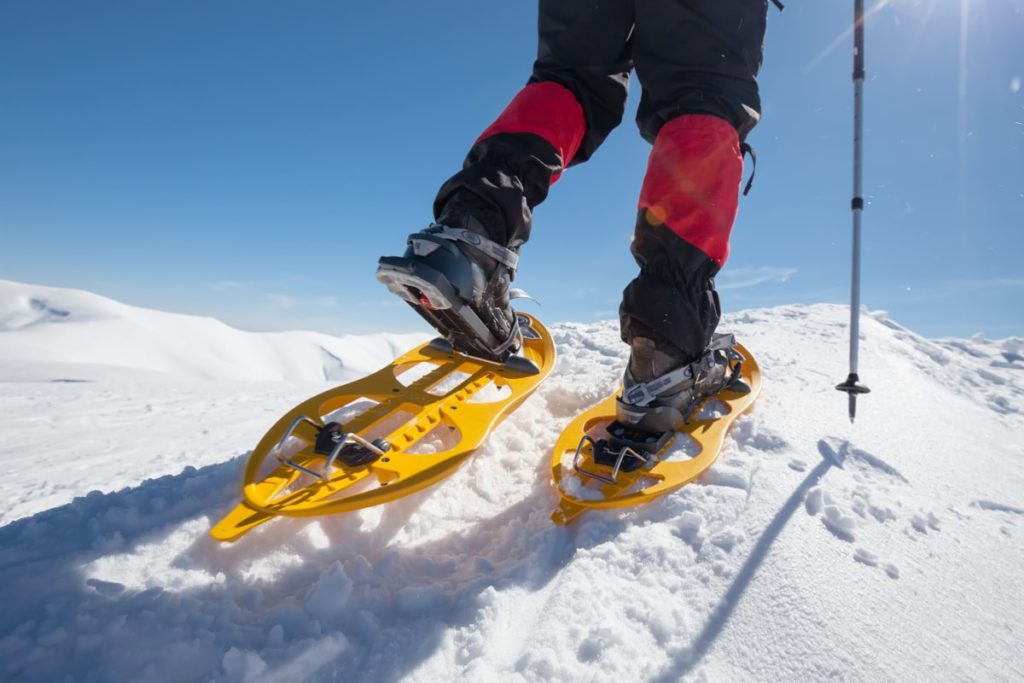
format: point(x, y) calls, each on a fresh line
point(813, 549)
point(50, 334)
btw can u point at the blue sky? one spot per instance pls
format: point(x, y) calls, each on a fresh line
point(251, 160)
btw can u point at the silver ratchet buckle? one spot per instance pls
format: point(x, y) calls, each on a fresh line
point(624, 452)
point(325, 473)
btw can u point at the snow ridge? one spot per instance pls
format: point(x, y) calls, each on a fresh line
point(47, 332)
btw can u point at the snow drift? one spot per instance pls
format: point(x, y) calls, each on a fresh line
point(812, 550)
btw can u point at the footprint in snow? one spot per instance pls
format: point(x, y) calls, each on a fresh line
point(843, 508)
point(1011, 359)
point(865, 557)
point(921, 523)
point(1001, 404)
point(996, 507)
point(869, 559)
point(748, 433)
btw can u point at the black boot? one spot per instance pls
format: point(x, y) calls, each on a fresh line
point(459, 281)
point(660, 392)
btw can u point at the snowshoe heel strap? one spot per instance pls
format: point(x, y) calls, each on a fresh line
point(503, 255)
point(643, 394)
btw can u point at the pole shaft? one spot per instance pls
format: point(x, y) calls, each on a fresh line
point(858, 197)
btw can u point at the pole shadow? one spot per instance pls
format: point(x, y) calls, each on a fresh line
point(689, 658)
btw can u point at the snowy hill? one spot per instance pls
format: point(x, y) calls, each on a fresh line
point(813, 549)
point(45, 330)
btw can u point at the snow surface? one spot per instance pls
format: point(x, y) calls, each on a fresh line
point(813, 550)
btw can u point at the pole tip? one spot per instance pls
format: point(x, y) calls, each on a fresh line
point(853, 387)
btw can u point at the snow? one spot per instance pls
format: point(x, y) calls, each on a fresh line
point(890, 549)
point(50, 331)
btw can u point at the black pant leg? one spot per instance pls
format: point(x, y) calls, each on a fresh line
point(583, 47)
point(699, 57)
point(695, 59)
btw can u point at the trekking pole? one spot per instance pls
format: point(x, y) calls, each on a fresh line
point(852, 385)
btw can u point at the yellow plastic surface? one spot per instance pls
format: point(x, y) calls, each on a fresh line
point(643, 485)
point(452, 418)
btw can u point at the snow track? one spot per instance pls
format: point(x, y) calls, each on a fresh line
point(812, 550)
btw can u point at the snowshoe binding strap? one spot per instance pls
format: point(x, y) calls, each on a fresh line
point(626, 450)
point(351, 449)
point(645, 393)
point(514, 362)
point(624, 459)
point(501, 254)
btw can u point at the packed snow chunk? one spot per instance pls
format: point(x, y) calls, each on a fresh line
point(327, 598)
point(269, 567)
point(317, 537)
point(734, 478)
point(841, 525)
point(688, 528)
point(575, 487)
point(683, 447)
point(726, 539)
point(595, 645)
point(242, 665)
point(813, 501)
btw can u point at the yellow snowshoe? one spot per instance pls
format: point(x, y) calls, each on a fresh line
point(386, 436)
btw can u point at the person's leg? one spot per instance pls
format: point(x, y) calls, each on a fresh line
point(575, 97)
point(457, 273)
point(697, 63)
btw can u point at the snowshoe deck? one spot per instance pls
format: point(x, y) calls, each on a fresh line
point(612, 479)
point(387, 435)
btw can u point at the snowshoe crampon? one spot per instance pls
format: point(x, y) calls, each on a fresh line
point(598, 463)
point(386, 436)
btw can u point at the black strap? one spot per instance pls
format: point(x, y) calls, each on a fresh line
point(778, 4)
point(744, 150)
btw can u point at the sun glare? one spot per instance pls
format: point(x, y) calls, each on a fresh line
point(962, 131)
point(845, 35)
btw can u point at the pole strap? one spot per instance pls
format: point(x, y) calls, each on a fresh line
point(746, 149)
